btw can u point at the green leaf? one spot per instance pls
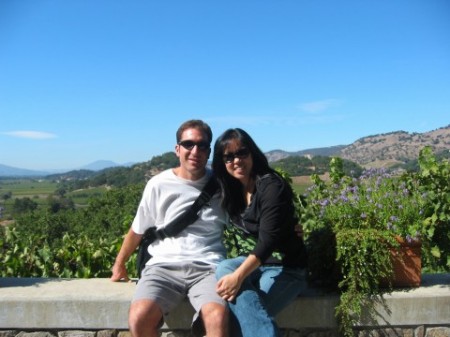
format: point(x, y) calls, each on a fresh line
point(436, 252)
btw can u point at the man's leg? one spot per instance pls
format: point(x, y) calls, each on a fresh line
point(210, 307)
point(158, 291)
point(144, 318)
point(215, 318)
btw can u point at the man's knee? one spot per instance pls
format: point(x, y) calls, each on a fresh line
point(144, 314)
point(214, 314)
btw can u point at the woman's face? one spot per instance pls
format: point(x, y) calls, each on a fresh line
point(238, 161)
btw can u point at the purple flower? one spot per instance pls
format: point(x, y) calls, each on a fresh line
point(343, 198)
point(324, 202)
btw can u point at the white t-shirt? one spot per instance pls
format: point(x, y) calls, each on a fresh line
point(165, 197)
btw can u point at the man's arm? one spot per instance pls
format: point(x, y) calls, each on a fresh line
point(130, 243)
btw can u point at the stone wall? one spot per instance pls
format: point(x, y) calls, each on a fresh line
point(416, 331)
point(99, 308)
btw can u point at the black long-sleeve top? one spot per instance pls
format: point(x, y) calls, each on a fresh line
point(270, 217)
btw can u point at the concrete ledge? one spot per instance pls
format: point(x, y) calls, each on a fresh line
point(101, 304)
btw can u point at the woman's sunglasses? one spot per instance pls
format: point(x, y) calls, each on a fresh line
point(231, 156)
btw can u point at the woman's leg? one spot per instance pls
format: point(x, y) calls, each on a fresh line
point(249, 308)
point(280, 286)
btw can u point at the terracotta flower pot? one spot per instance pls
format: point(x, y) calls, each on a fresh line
point(406, 262)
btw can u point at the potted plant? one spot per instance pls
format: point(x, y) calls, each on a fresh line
point(367, 216)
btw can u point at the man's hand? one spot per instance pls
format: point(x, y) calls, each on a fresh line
point(119, 273)
point(130, 243)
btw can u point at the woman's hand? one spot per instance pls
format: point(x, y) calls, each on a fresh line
point(228, 286)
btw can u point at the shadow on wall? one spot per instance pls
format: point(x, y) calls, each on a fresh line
point(27, 282)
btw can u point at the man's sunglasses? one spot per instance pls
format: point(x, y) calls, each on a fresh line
point(241, 154)
point(189, 145)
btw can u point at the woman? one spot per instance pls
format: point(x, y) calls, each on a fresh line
point(269, 273)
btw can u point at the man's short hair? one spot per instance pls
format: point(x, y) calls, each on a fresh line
point(195, 124)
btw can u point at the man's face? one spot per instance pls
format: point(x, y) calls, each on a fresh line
point(193, 151)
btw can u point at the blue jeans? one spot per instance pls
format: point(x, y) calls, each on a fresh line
point(263, 294)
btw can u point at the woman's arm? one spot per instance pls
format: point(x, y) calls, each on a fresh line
point(272, 213)
point(229, 285)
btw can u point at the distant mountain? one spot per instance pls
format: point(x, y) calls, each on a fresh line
point(382, 150)
point(275, 155)
point(99, 165)
point(9, 171)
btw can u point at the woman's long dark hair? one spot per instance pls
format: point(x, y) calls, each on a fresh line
point(233, 197)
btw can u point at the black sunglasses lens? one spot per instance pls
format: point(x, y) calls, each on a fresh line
point(228, 158)
point(203, 146)
point(241, 154)
point(189, 145)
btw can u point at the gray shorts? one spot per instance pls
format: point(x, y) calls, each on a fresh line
point(168, 285)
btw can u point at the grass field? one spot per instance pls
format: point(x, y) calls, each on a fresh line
point(27, 187)
point(40, 190)
point(300, 184)
point(81, 197)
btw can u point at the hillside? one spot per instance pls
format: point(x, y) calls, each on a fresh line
point(383, 150)
point(276, 155)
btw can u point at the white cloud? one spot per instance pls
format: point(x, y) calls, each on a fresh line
point(319, 106)
point(30, 134)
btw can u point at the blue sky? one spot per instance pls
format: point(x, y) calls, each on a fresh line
point(84, 80)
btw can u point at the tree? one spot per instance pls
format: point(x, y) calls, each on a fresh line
point(7, 195)
point(57, 204)
point(23, 205)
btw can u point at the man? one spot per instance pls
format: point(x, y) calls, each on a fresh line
point(183, 265)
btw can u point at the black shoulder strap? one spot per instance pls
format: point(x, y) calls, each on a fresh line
point(187, 218)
